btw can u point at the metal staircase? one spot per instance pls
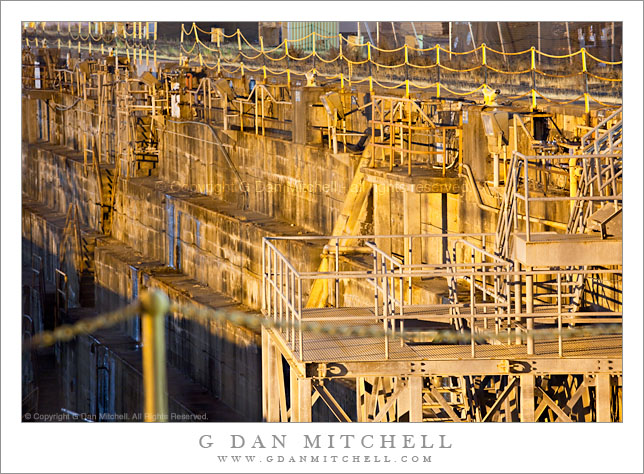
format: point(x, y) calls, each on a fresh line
point(599, 176)
point(596, 174)
point(506, 223)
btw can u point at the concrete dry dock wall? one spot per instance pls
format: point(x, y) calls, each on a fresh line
point(225, 359)
point(297, 183)
point(55, 175)
point(207, 239)
point(101, 378)
point(42, 238)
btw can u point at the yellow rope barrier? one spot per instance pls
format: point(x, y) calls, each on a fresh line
point(603, 78)
point(183, 29)
point(388, 50)
point(389, 87)
point(250, 57)
point(418, 86)
point(301, 59)
point(507, 54)
point(460, 70)
point(520, 96)
point(422, 50)
point(508, 72)
point(559, 76)
point(613, 63)
point(563, 56)
point(458, 54)
point(353, 63)
point(465, 93)
point(551, 101)
point(603, 103)
point(327, 61)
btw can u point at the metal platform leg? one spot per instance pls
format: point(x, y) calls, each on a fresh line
point(304, 400)
point(273, 394)
point(415, 399)
point(527, 397)
point(603, 388)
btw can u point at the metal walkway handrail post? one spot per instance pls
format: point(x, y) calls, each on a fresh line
point(154, 306)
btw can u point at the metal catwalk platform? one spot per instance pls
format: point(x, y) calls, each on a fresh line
point(503, 327)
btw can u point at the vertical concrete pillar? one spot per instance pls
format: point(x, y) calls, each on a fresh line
point(416, 399)
point(527, 397)
point(299, 116)
point(382, 215)
point(603, 391)
point(411, 224)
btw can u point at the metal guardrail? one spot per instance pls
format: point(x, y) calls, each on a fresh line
point(521, 161)
point(499, 294)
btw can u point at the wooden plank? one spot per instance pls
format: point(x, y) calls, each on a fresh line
point(540, 409)
point(361, 399)
point(273, 414)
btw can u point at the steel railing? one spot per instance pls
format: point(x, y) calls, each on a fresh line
point(500, 299)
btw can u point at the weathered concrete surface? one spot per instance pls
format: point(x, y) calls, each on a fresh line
point(207, 239)
point(297, 183)
point(54, 175)
point(102, 378)
point(222, 357)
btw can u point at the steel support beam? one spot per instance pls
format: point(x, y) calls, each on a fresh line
point(402, 368)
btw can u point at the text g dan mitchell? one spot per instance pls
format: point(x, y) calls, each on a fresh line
point(342, 441)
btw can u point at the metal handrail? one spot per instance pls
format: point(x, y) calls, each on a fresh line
point(391, 309)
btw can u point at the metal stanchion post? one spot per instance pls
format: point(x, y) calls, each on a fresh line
point(154, 305)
